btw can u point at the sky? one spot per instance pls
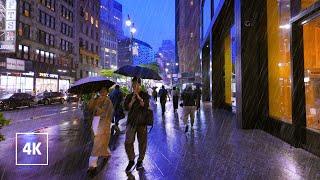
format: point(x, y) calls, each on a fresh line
point(153, 19)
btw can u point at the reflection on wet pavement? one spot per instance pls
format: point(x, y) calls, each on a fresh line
point(214, 149)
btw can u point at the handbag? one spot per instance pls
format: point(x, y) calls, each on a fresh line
point(144, 119)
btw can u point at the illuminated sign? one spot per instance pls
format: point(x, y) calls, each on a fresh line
point(48, 75)
point(15, 64)
point(8, 16)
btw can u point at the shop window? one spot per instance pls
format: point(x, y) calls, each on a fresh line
point(307, 3)
point(279, 54)
point(227, 70)
point(311, 39)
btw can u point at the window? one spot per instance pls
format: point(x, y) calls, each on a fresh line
point(66, 13)
point(86, 16)
point(46, 20)
point(66, 45)
point(24, 30)
point(279, 55)
point(206, 16)
point(23, 52)
point(26, 9)
point(311, 39)
point(44, 56)
point(50, 4)
point(69, 2)
point(46, 38)
point(66, 30)
point(307, 3)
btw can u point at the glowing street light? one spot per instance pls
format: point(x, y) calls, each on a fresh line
point(133, 29)
point(128, 21)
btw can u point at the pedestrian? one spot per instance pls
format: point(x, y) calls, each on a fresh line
point(163, 94)
point(136, 103)
point(155, 94)
point(175, 98)
point(189, 106)
point(100, 106)
point(198, 96)
point(116, 97)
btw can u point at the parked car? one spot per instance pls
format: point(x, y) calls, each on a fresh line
point(72, 98)
point(12, 101)
point(51, 97)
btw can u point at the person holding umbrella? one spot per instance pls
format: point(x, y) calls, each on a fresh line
point(100, 110)
point(136, 103)
point(101, 106)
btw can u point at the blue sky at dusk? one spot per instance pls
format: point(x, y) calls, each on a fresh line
point(154, 20)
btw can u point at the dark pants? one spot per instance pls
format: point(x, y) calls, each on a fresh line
point(155, 98)
point(163, 106)
point(142, 133)
point(175, 102)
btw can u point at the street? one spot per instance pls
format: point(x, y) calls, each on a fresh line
point(214, 149)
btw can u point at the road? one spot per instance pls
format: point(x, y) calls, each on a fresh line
point(30, 119)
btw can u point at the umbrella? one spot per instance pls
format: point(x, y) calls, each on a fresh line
point(137, 71)
point(90, 84)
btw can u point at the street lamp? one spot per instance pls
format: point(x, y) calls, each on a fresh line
point(128, 21)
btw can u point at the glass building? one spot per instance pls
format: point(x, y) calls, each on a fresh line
point(261, 60)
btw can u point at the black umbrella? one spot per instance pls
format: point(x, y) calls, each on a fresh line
point(90, 84)
point(137, 71)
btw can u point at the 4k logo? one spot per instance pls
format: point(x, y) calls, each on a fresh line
point(31, 149)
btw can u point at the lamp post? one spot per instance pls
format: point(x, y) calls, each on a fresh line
point(132, 30)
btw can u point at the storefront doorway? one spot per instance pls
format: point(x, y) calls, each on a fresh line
point(311, 54)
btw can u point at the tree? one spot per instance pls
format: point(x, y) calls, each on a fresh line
point(3, 122)
point(154, 66)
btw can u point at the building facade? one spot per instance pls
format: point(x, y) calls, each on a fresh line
point(169, 67)
point(187, 39)
point(110, 33)
point(37, 46)
point(88, 34)
point(140, 53)
point(261, 59)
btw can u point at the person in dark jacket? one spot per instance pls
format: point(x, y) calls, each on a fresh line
point(163, 94)
point(189, 106)
point(175, 98)
point(136, 103)
point(116, 99)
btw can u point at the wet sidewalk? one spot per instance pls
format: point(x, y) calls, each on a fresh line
point(215, 149)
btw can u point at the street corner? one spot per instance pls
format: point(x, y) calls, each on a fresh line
point(32, 149)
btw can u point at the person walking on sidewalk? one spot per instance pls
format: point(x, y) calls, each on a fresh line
point(101, 106)
point(155, 94)
point(198, 96)
point(116, 98)
point(163, 94)
point(136, 103)
point(175, 98)
point(189, 106)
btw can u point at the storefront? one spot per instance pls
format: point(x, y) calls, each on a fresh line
point(266, 66)
point(18, 75)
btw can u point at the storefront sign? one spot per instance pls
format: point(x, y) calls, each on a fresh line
point(8, 25)
point(15, 64)
point(48, 75)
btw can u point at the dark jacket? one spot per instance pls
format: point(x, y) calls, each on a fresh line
point(189, 98)
point(136, 108)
